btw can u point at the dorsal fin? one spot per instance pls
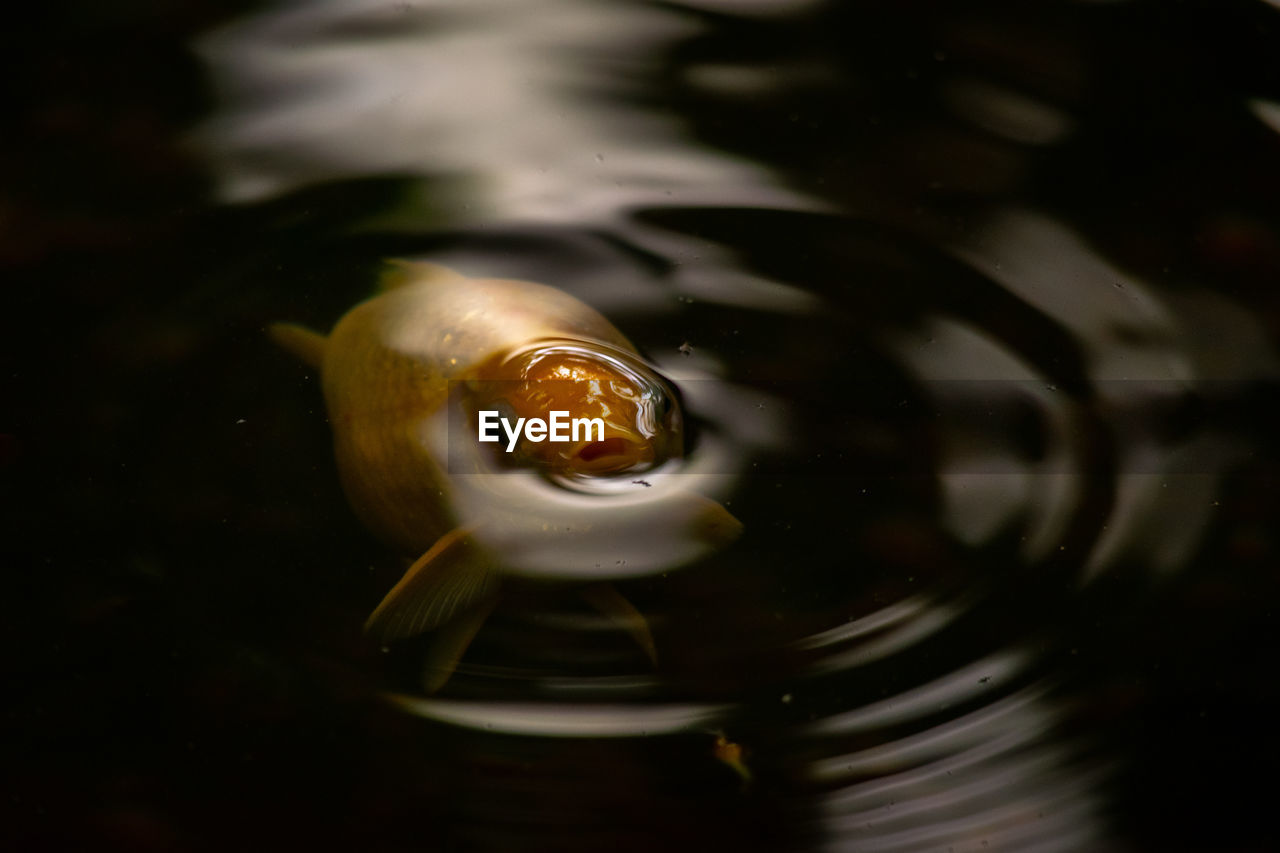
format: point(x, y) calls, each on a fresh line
point(398, 272)
point(306, 345)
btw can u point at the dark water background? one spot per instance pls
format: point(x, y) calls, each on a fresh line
point(1006, 272)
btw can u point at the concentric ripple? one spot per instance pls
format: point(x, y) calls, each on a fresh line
point(946, 417)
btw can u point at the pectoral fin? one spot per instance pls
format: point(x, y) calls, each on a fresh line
point(452, 577)
point(307, 346)
point(605, 598)
point(451, 643)
point(714, 524)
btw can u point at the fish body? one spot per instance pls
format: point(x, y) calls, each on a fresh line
point(404, 374)
point(387, 370)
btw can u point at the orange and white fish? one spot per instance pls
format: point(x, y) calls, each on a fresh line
point(404, 376)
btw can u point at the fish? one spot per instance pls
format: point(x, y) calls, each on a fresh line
point(405, 376)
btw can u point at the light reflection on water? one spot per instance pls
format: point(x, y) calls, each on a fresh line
point(530, 107)
point(887, 642)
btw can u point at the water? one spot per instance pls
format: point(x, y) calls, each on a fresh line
point(971, 308)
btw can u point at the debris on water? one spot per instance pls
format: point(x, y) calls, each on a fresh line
point(644, 483)
point(731, 754)
point(685, 348)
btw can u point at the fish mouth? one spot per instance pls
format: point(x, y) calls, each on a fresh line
point(611, 455)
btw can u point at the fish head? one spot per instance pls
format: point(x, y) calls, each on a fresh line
point(617, 414)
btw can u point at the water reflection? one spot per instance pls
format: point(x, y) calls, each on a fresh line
point(529, 111)
point(564, 720)
point(1144, 356)
point(946, 412)
point(988, 778)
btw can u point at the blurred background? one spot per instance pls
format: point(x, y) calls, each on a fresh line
point(976, 301)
